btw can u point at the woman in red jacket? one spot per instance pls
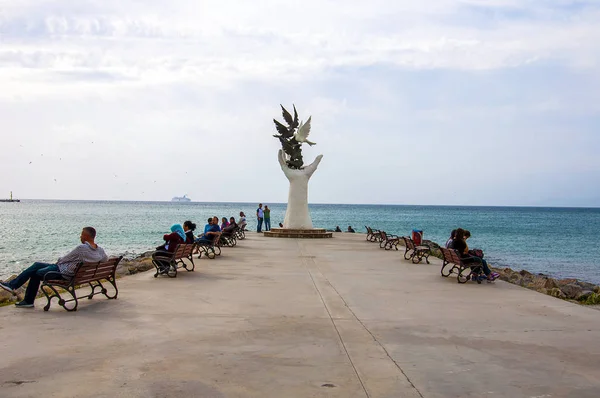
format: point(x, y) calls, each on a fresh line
point(173, 239)
point(176, 237)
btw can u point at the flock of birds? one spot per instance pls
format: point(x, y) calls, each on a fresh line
point(60, 159)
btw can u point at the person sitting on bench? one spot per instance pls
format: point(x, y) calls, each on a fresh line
point(65, 267)
point(229, 228)
point(224, 223)
point(460, 245)
point(232, 223)
point(189, 228)
point(451, 239)
point(176, 237)
point(210, 230)
point(242, 221)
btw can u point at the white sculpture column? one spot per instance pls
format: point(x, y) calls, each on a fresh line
point(297, 215)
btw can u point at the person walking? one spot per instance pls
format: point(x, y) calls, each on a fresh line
point(260, 215)
point(267, 214)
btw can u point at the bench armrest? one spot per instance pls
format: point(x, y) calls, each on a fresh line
point(162, 255)
point(477, 259)
point(54, 275)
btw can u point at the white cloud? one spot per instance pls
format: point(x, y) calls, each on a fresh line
point(150, 81)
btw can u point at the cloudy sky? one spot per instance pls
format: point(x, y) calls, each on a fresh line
point(476, 102)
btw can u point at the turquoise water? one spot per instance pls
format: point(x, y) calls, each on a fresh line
point(562, 242)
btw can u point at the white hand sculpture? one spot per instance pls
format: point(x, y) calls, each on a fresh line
point(297, 215)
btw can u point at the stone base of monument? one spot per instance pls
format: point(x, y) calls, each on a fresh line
point(314, 233)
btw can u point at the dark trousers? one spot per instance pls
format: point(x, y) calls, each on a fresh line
point(486, 269)
point(34, 274)
point(160, 256)
point(267, 224)
point(259, 225)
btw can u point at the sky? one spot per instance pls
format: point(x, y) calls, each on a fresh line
point(438, 102)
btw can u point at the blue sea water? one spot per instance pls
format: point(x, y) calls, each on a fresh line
point(562, 242)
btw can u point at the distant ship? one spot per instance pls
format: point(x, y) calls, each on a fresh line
point(14, 200)
point(183, 198)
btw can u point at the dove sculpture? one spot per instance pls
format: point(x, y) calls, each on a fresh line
point(292, 136)
point(303, 131)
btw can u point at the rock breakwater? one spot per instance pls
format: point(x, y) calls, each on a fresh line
point(566, 289)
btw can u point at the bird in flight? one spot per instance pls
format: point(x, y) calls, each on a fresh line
point(303, 131)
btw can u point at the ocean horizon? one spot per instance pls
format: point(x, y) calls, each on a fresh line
point(315, 203)
point(558, 241)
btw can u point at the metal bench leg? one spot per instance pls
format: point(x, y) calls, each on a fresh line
point(113, 282)
point(172, 270)
point(94, 286)
point(187, 267)
point(63, 303)
point(210, 253)
point(463, 276)
point(49, 297)
point(444, 265)
point(417, 256)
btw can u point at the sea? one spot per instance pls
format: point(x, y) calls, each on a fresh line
point(560, 242)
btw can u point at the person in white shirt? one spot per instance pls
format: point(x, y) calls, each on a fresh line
point(259, 218)
point(65, 267)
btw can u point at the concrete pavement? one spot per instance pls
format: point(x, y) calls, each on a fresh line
point(304, 318)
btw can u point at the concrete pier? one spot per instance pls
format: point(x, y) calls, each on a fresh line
point(304, 318)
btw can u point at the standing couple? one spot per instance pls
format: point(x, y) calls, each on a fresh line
point(263, 215)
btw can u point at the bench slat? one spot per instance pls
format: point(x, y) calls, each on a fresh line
point(89, 272)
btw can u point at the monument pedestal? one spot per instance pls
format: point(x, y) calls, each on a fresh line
point(314, 233)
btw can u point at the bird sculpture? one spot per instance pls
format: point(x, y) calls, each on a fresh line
point(303, 131)
point(292, 137)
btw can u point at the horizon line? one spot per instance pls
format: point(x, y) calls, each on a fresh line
point(316, 203)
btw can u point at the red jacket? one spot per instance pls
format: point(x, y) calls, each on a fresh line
point(172, 239)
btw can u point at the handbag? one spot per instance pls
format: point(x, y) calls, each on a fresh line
point(476, 253)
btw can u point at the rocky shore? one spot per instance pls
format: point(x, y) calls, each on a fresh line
point(567, 289)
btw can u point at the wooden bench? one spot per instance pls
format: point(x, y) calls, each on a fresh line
point(91, 274)
point(388, 241)
point(451, 257)
point(240, 232)
point(209, 249)
point(174, 259)
point(373, 235)
point(228, 237)
point(415, 253)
